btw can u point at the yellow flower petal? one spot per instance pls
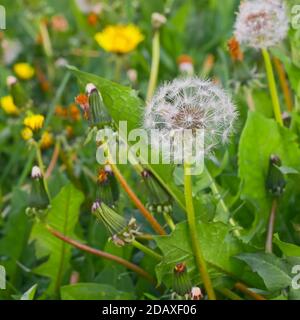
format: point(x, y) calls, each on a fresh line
point(23, 70)
point(46, 140)
point(7, 104)
point(119, 38)
point(34, 122)
point(26, 134)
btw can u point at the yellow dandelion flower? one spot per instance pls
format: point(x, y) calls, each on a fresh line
point(23, 70)
point(46, 140)
point(7, 104)
point(26, 134)
point(119, 38)
point(34, 121)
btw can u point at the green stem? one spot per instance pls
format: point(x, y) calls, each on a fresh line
point(146, 250)
point(200, 261)
point(216, 193)
point(169, 221)
point(269, 240)
point(42, 166)
point(154, 65)
point(229, 294)
point(118, 68)
point(272, 87)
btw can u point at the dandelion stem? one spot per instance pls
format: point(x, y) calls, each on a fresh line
point(118, 68)
point(148, 216)
point(272, 86)
point(169, 221)
point(200, 261)
point(284, 84)
point(229, 294)
point(154, 65)
point(216, 193)
point(269, 240)
point(53, 160)
point(42, 167)
point(102, 254)
point(146, 250)
point(241, 287)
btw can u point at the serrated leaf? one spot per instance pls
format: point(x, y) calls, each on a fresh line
point(274, 271)
point(262, 137)
point(217, 243)
point(92, 291)
point(63, 217)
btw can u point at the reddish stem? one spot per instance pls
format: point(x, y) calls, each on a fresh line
point(102, 254)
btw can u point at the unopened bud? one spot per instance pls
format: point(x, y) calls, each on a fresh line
point(36, 173)
point(275, 182)
point(158, 20)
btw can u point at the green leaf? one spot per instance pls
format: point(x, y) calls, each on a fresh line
point(123, 104)
point(274, 271)
point(288, 249)
point(262, 137)
point(30, 293)
point(92, 291)
point(16, 233)
point(218, 246)
point(288, 170)
point(63, 217)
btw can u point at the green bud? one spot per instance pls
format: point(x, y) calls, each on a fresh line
point(38, 198)
point(159, 198)
point(108, 189)
point(181, 281)
point(98, 115)
point(20, 97)
point(121, 231)
point(275, 182)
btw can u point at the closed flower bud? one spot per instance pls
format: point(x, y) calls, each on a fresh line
point(108, 186)
point(121, 231)
point(98, 115)
point(159, 199)
point(158, 20)
point(20, 97)
point(38, 198)
point(181, 281)
point(275, 182)
point(196, 293)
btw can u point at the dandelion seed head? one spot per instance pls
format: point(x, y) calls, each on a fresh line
point(191, 103)
point(261, 24)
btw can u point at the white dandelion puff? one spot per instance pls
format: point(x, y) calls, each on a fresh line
point(261, 24)
point(190, 104)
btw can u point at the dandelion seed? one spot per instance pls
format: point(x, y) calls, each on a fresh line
point(261, 24)
point(192, 104)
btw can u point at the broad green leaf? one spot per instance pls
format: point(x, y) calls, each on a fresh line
point(63, 217)
point(218, 246)
point(288, 249)
point(123, 104)
point(30, 293)
point(15, 236)
point(262, 137)
point(274, 271)
point(92, 291)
